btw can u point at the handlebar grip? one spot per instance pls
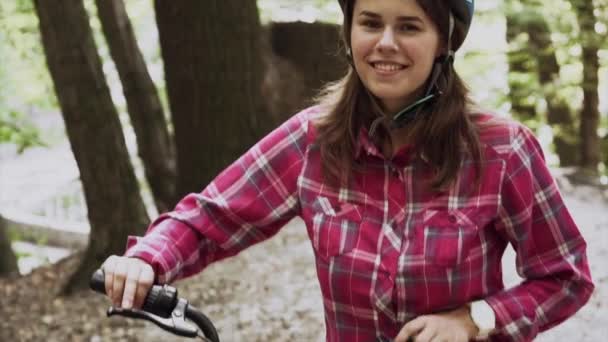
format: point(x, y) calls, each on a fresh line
point(97, 282)
point(160, 300)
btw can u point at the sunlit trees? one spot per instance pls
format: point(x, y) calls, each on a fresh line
point(154, 144)
point(115, 207)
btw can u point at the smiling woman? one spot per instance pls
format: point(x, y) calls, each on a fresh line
point(402, 56)
point(393, 53)
point(408, 210)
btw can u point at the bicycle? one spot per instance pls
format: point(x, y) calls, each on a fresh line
point(164, 308)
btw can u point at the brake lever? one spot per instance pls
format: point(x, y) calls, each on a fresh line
point(175, 324)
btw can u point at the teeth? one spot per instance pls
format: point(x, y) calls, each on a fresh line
point(388, 66)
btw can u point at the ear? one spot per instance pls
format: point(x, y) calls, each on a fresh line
point(441, 51)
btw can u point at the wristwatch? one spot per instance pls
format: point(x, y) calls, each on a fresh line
point(484, 318)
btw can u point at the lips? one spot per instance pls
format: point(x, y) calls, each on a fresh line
point(385, 67)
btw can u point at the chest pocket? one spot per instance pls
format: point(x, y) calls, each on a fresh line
point(335, 227)
point(450, 237)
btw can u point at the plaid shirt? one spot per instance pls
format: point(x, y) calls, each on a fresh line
point(388, 250)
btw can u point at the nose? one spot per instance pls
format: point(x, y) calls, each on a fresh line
point(387, 41)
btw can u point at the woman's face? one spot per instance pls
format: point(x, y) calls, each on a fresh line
point(394, 44)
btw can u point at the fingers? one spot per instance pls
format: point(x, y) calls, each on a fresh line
point(146, 280)
point(433, 328)
point(127, 281)
point(118, 285)
point(410, 330)
point(427, 334)
point(108, 271)
point(131, 281)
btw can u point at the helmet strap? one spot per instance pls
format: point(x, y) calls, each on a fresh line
point(410, 113)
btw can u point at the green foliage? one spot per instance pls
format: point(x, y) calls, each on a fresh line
point(24, 79)
point(15, 130)
point(25, 82)
point(23, 71)
point(565, 43)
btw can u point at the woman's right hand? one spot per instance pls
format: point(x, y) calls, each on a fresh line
point(127, 281)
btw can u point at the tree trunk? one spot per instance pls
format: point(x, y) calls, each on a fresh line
point(145, 110)
point(532, 58)
point(559, 113)
point(313, 49)
point(590, 42)
point(8, 260)
point(213, 70)
point(115, 207)
point(521, 69)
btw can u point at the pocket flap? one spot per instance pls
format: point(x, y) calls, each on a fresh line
point(344, 210)
point(443, 218)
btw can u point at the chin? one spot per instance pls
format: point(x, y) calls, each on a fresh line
point(391, 95)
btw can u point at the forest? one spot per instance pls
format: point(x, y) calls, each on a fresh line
point(150, 100)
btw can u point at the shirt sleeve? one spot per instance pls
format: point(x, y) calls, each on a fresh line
point(551, 253)
point(246, 204)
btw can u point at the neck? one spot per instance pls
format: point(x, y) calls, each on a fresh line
point(393, 107)
point(399, 138)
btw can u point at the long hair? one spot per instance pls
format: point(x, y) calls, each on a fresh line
point(443, 133)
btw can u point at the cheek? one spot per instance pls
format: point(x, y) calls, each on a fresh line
point(361, 44)
point(424, 58)
point(361, 49)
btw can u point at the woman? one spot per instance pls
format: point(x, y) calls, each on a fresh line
point(409, 198)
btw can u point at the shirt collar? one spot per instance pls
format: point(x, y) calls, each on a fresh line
point(365, 146)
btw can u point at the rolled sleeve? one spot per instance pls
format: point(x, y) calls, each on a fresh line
point(170, 247)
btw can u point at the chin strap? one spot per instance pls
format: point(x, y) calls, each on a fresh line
point(432, 92)
point(410, 113)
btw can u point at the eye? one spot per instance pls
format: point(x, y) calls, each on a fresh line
point(371, 24)
point(409, 28)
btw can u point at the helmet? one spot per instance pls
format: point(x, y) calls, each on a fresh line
point(461, 9)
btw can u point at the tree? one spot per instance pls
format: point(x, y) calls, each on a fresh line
point(115, 207)
point(23, 136)
point(559, 113)
point(534, 70)
point(313, 50)
point(153, 141)
point(214, 71)
point(590, 117)
point(8, 260)
point(14, 127)
point(521, 68)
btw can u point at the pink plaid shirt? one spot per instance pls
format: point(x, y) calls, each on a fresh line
point(387, 250)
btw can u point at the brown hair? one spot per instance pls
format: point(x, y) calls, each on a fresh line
point(441, 133)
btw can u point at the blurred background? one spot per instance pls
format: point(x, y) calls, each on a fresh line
point(112, 110)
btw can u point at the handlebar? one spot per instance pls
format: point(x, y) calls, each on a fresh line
point(164, 308)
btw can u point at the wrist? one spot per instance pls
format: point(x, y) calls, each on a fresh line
point(483, 317)
point(462, 317)
point(470, 326)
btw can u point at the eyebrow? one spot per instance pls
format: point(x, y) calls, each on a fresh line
point(399, 18)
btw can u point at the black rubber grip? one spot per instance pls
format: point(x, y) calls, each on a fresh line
point(161, 300)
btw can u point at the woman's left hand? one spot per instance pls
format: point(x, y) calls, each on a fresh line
point(451, 326)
